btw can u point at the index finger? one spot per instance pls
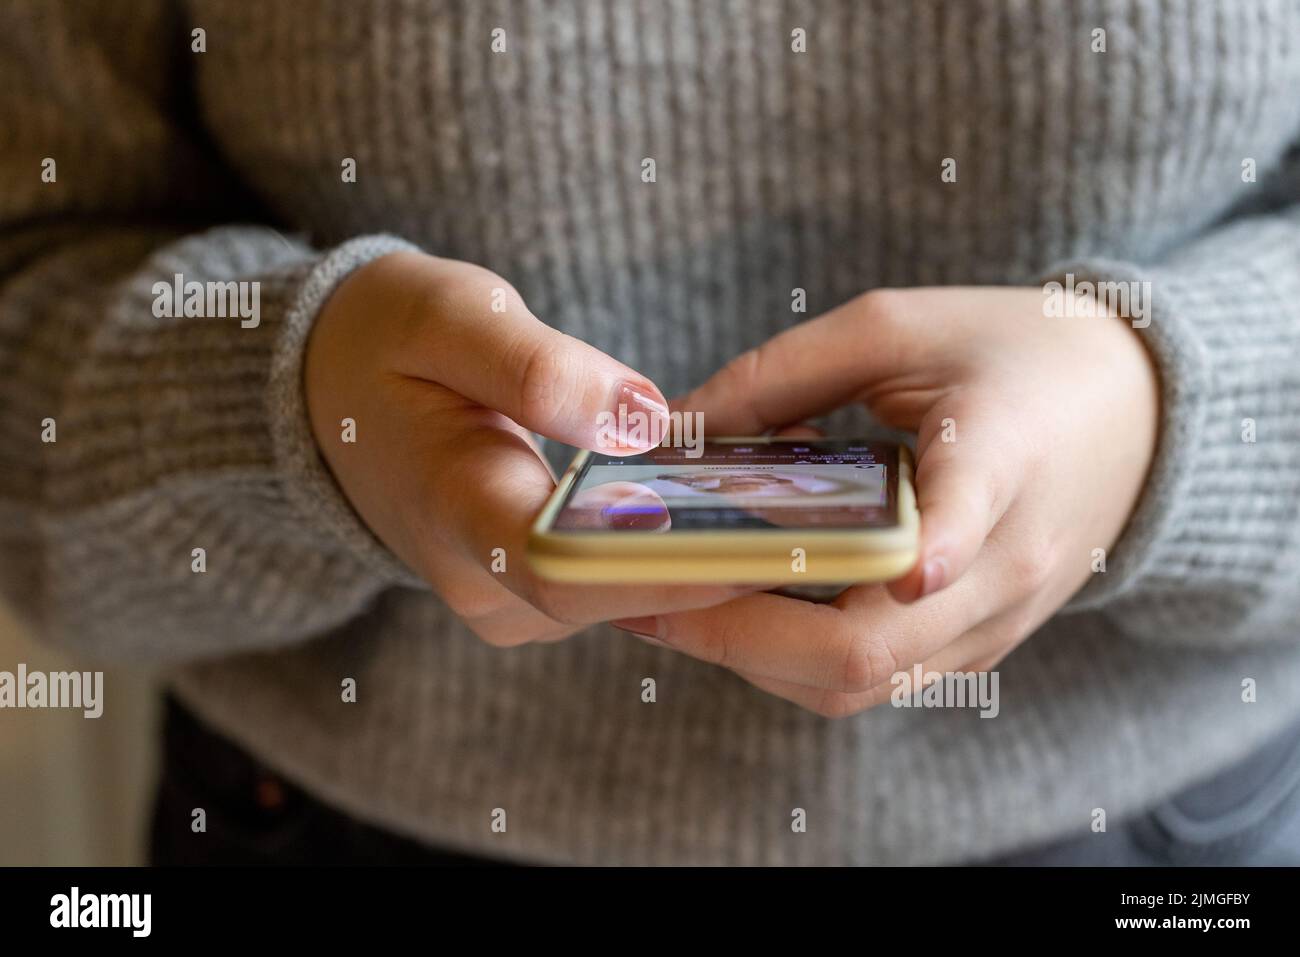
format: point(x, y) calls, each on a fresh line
point(852, 645)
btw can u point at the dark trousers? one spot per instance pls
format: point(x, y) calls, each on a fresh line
point(254, 816)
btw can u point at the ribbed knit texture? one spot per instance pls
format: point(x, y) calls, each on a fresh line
point(775, 170)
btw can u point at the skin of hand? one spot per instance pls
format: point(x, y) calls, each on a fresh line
point(444, 390)
point(1034, 438)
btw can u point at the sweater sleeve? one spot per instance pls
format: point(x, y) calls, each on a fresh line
point(131, 439)
point(1211, 555)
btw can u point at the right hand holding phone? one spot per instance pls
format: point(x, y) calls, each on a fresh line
point(445, 372)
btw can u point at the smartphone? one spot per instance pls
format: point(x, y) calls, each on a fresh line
point(733, 511)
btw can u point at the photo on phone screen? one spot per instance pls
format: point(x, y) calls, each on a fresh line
point(822, 484)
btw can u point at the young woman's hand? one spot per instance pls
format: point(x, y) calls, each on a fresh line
point(1034, 439)
point(444, 388)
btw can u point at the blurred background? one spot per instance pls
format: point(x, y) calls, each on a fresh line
point(73, 790)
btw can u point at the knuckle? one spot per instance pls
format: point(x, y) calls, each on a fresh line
point(1031, 562)
point(880, 307)
point(867, 662)
point(724, 639)
point(545, 368)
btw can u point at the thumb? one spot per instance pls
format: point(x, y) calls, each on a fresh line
point(963, 489)
point(811, 368)
point(487, 346)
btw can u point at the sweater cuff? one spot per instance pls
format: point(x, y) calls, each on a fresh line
point(309, 483)
point(1176, 485)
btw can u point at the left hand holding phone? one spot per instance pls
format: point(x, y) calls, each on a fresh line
point(1035, 435)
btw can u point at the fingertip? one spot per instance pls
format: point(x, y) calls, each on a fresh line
point(642, 395)
point(954, 527)
point(635, 419)
point(907, 588)
point(934, 575)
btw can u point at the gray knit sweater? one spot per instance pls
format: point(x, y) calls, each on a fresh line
point(775, 169)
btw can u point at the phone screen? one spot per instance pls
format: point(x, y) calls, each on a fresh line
point(796, 484)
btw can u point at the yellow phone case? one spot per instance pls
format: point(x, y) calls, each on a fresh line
point(726, 557)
